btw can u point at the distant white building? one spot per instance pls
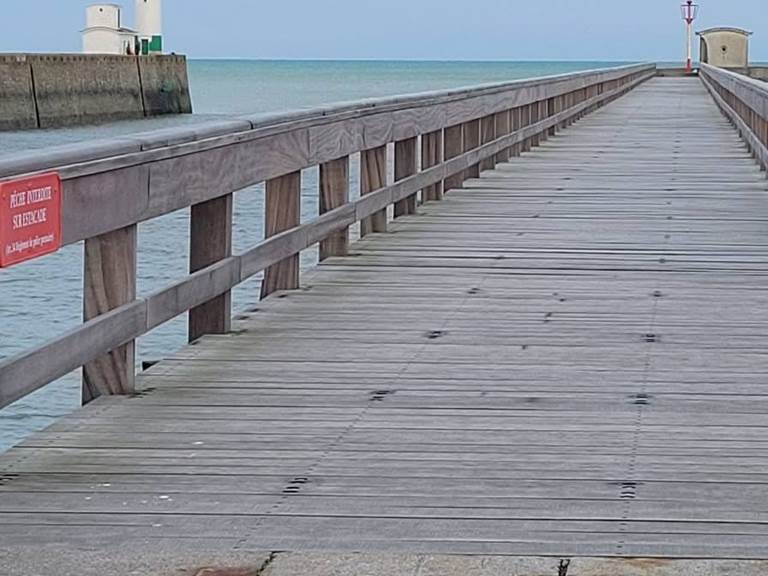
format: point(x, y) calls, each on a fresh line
point(104, 32)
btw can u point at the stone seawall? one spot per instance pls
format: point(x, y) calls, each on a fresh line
point(54, 90)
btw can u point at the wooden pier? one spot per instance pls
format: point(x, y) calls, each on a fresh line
point(556, 350)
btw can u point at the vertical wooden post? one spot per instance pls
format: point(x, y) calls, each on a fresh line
point(109, 282)
point(282, 211)
point(373, 176)
point(517, 123)
point(210, 240)
point(535, 117)
point(488, 134)
point(432, 155)
point(471, 141)
point(527, 117)
point(453, 147)
point(405, 165)
point(542, 108)
point(552, 111)
point(502, 123)
point(334, 193)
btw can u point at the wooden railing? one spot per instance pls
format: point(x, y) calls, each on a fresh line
point(111, 186)
point(744, 101)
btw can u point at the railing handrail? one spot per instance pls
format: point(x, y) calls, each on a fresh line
point(215, 132)
point(744, 101)
point(455, 143)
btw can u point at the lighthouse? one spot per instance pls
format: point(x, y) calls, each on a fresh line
point(149, 26)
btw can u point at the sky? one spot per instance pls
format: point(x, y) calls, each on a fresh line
point(644, 30)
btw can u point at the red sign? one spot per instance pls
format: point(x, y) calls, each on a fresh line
point(30, 218)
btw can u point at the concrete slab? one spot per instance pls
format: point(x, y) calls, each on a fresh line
point(152, 559)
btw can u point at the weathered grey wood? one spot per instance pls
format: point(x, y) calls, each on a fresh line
point(471, 140)
point(211, 282)
point(282, 211)
point(210, 241)
point(29, 371)
point(745, 105)
point(453, 146)
point(526, 120)
point(334, 193)
point(488, 134)
point(406, 155)
point(502, 127)
point(373, 176)
point(479, 381)
point(535, 117)
point(195, 290)
point(432, 155)
point(516, 122)
point(168, 163)
point(109, 282)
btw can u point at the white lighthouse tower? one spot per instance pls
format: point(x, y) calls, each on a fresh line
point(149, 26)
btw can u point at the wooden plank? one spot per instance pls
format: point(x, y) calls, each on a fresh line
point(432, 155)
point(373, 176)
point(334, 193)
point(23, 374)
point(405, 165)
point(109, 282)
point(282, 211)
point(210, 242)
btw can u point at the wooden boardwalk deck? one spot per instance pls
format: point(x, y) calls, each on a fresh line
point(566, 357)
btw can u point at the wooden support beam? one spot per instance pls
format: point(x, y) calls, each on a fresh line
point(334, 192)
point(405, 165)
point(432, 155)
point(373, 176)
point(110, 282)
point(502, 123)
point(282, 211)
point(551, 111)
point(453, 147)
point(527, 117)
point(472, 141)
point(488, 134)
point(535, 117)
point(210, 241)
point(516, 122)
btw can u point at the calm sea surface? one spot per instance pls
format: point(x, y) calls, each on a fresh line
point(42, 299)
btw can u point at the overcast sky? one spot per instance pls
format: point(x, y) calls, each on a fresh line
point(400, 29)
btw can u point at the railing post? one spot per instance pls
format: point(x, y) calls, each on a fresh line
point(334, 193)
point(516, 119)
point(471, 141)
point(502, 124)
point(373, 176)
point(552, 111)
point(282, 211)
point(527, 118)
point(109, 282)
point(405, 165)
point(488, 134)
point(452, 148)
point(432, 155)
point(210, 240)
point(537, 138)
point(540, 115)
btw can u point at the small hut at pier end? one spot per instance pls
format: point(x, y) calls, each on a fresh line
point(725, 47)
